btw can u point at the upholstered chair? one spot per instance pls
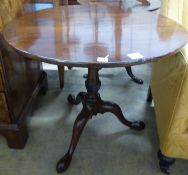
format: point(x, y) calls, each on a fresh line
point(169, 88)
point(9, 9)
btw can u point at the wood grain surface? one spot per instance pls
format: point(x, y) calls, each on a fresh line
point(78, 35)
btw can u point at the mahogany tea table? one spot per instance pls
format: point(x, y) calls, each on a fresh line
point(94, 36)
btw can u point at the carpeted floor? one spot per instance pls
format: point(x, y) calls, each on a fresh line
point(106, 146)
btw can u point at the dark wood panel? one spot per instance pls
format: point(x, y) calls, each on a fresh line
point(1, 82)
point(21, 78)
point(20, 82)
point(1, 78)
point(4, 112)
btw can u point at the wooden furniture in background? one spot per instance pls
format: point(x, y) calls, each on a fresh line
point(20, 81)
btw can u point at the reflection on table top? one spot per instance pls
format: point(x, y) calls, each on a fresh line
point(78, 35)
point(148, 5)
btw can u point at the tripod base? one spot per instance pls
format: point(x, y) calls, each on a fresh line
point(92, 105)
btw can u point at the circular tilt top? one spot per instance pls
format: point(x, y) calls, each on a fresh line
point(95, 35)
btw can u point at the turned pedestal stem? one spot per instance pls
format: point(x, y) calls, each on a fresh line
point(92, 105)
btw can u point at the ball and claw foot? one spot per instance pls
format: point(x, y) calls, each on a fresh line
point(69, 67)
point(71, 99)
point(165, 162)
point(63, 163)
point(135, 79)
point(76, 100)
point(138, 125)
